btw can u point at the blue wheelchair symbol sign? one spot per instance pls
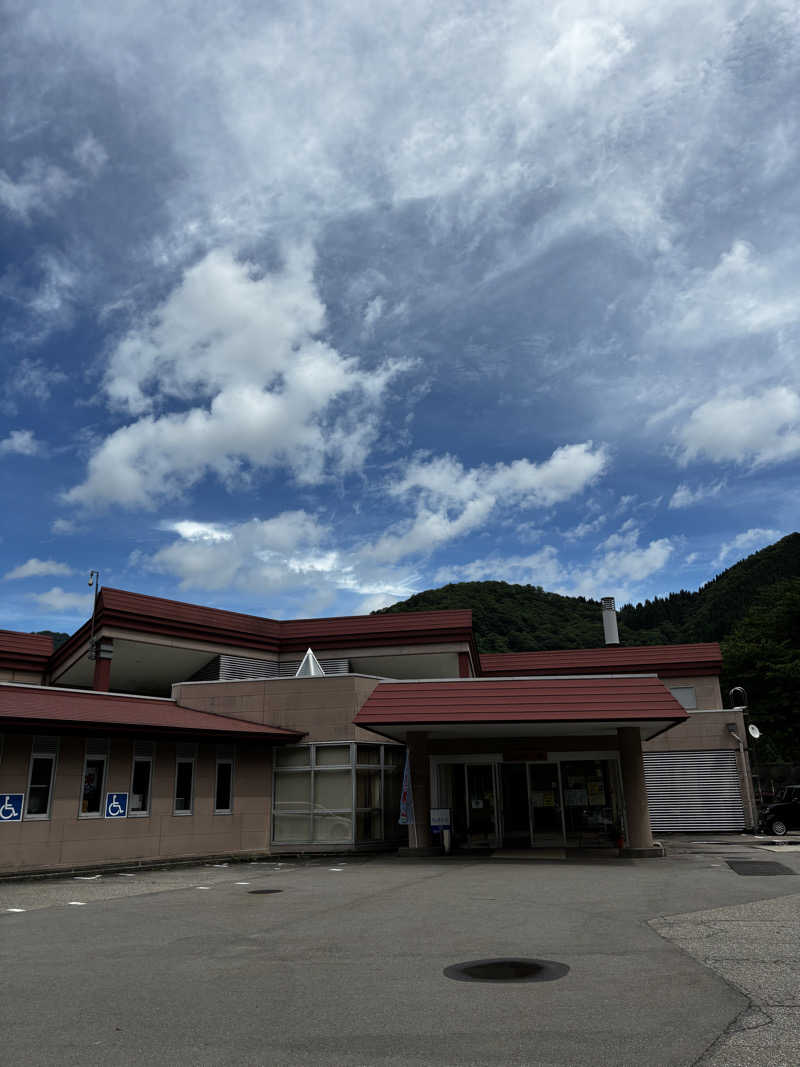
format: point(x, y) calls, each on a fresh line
point(116, 805)
point(11, 807)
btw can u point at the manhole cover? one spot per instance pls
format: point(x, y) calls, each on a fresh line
point(262, 892)
point(507, 970)
point(762, 867)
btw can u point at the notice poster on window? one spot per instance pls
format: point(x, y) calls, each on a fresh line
point(597, 795)
point(575, 798)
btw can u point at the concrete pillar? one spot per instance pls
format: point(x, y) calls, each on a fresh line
point(637, 813)
point(419, 836)
point(103, 653)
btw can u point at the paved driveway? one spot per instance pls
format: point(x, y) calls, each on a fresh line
point(344, 964)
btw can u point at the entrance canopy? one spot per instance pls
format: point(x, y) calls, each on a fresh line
point(520, 707)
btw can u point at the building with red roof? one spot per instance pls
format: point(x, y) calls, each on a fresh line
point(162, 730)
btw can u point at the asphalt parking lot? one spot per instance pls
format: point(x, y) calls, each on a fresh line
point(671, 961)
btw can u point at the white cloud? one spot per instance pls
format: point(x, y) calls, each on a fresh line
point(62, 527)
point(33, 379)
point(745, 543)
point(243, 350)
point(452, 501)
point(20, 442)
point(743, 294)
point(756, 428)
point(538, 568)
point(198, 531)
point(686, 497)
point(290, 553)
point(616, 569)
point(58, 602)
point(39, 188)
point(36, 568)
point(90, 155)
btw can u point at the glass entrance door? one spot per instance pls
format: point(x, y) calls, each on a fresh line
point(547, 824)
point(516, 813)
point(592, 804)
point(468, 789)
point(481, 813)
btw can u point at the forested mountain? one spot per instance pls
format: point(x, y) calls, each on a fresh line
point(752, 608)
point(58, 637)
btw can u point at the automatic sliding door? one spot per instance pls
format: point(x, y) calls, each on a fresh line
point(545, 800)
point(481, 805)
point(516, 814)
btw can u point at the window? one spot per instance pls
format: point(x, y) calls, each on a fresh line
point(685, 695)
point(40, 777)
point(184, 784)
point(335, 793)
point(223, 791)
point(141, 778)
point(94, 778)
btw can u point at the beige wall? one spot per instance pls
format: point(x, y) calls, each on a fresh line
point(21, 677)
point(703, 730)
point(322, 708)
point(64, 840)
point(707, 690)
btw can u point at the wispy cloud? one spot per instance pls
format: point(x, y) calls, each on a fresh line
point(21, 443)
point(685, 496)
point(744, 543)
point(57, 601)
point(37, 568)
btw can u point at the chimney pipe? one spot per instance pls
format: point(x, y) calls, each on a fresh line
point(610, 621)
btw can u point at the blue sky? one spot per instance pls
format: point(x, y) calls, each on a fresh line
point(308, 307)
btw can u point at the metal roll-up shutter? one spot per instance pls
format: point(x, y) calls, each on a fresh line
point(690, 791)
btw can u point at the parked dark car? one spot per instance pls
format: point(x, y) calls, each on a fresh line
point(784, 814)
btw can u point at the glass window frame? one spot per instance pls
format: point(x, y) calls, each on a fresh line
point(40, 816)
point(145, 812)
point(313, 767)
point(688, 696)
point(229, 761)
point(94, 757)
point(192, 761)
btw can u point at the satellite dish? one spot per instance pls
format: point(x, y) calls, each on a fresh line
point(753, 730)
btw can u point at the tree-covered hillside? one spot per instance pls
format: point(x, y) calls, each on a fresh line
point(752, 608)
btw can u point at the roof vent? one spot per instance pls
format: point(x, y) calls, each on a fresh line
point(310, 667)
point(610, 621)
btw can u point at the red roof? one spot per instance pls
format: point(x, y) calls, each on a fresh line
point(51, 708)
point(507, 700)
point(154, 615)
point(610, 659)
point(28, 652)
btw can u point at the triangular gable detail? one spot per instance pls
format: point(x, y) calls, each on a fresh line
point(310, 667)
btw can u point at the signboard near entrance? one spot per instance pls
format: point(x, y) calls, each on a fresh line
point(440, 819)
